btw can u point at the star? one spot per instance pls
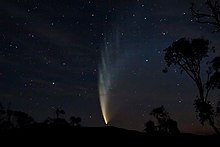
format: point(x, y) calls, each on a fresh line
point(51, 55)
point(163, 33)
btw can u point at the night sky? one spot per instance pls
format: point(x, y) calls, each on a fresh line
point(50, 52)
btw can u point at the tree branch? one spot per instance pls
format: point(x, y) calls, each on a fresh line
point(214, 9)
point(186, 71)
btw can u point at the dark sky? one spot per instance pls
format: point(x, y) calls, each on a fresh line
point(50, 51)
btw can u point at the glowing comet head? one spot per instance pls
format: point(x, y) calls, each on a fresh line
point(105, 118)
point(104, 109)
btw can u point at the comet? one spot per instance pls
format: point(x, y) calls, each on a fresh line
point(108, 72)
point(104, 85)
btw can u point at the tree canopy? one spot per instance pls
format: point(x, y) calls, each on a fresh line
point(188, 54)
point(208, 15)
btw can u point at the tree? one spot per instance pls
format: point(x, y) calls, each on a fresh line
point(59, 111)
point(150, 127)
point(75, 121)
point(165, 123)
point(188, 55)
point(172, 126)
point(209, 15)
point(14, 119)
point(162, 116)
point(22, 119)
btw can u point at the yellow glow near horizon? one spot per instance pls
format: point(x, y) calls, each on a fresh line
point(105, 119)
point(105, 116)
point(104, 109)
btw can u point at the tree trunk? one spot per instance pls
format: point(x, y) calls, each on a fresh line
point(211, 122)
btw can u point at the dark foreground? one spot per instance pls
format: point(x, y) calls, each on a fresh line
point(99, 136)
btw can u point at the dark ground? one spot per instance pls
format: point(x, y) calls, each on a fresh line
point(98, 136)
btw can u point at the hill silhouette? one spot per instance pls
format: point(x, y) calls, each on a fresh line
point(41, 134)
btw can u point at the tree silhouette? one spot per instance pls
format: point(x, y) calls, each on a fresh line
point(57, 121)
point(10, 119)
point(162, 116)
point(209, 15)
point(22, 119)
point(75, 121)
point(48, 121)
point(188, 55)
point(59, 111)
point(165, 123)
point(172, 126)
point(150, 127)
